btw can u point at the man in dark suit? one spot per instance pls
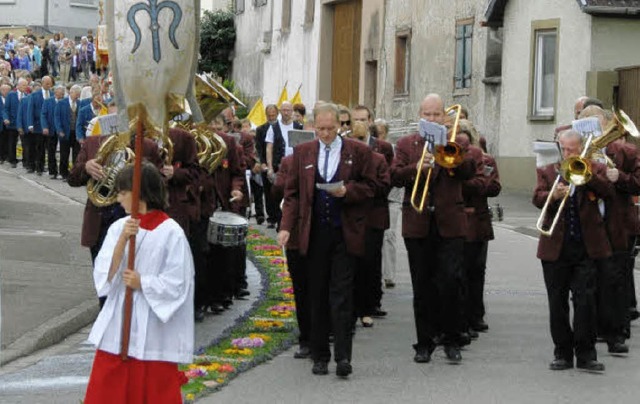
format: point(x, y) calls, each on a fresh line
point(261, 150)
point(568, 257)
point(331, 225)
point(434, 238)
point(10, 118)
point(277, 146)
point(35, 138)
point(4, 137)
point(47, 120)
point(65, 117)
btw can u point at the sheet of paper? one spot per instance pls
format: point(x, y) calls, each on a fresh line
point(331, 186)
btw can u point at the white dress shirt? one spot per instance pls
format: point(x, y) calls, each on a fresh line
point(334, 157)
point(284, 129)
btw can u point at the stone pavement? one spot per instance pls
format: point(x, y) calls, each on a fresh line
point(46, 285)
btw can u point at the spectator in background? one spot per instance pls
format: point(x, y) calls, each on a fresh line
point(65, 56)
point(382, 129)
point(299, 111)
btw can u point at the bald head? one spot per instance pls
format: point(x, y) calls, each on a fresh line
point(47, 83)
point(579, 105)
point(432, 109)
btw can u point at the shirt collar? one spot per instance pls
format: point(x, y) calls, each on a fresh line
point(337, 142)
point(152, 219)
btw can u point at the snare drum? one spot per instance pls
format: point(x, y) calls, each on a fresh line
point(227, 229)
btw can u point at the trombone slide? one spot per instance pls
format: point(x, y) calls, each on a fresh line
point(545, 208)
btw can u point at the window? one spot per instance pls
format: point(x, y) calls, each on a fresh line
point(543, 77)
point(286, 15)
point(259, 3)
point(309, 12)
point(464, 34)
point(238, 6)
point(84, 3)
point(403, 61)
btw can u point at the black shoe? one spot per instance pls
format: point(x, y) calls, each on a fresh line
point(226, 303)
point(320, 368)
point(198, 315)
point(423, 355)
point(618, 348)
point(303, 353)
point(560, 364)
point(30, 170)
point(453, 353)
point(343, 369)
point(39, 173)
point(464, 339)
point(53, 176)
point(378, 312)
point(14, 165)
point(242, 293)
point(480, 326)
point(271, 226)
point(590, 366)
point(634, 314)
point(473, 334)
point(216, 308)
point(260, 220)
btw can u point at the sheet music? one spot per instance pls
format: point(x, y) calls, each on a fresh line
point(435, 134)
point(297, 136)
point(587, 126)
point(546, 153)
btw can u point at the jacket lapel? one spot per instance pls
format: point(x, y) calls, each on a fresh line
point(346, 161)
point(309, 167)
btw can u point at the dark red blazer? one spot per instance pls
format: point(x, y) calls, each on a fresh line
point(382, 147)
point(621, 215)
point(229, 176)
point(357, 171)
point(378, 214)
point(594, 232)
point(183, 187)
point(475, 193)
point(79, 177)
point(445, 188)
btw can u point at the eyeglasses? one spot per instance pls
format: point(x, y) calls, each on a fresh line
point(342, 123)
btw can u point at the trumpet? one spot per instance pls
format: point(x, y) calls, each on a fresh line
point(447, 156)
point(577, 170)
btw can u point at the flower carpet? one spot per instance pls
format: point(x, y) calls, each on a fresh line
point(267, 329)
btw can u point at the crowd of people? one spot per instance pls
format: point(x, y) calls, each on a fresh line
point(335, 202)
point(60, 57)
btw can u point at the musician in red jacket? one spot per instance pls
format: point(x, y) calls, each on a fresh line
point(568, 257)
point(330, 181)
point(434, 238)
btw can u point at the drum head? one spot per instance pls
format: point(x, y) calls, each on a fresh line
point(229, 218)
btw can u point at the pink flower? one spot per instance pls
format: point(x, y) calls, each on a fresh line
point(288, 290)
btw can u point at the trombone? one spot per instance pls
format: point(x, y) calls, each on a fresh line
point(447, 156)
point(577, 170)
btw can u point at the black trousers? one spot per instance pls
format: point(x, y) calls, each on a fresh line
point(629, 278)
point(52, 159)
point(258, 194)
point(12, 145)
point(610, 296)
point(36, 143)
point(220, 273)
point(199, 249)
point(573, 272)
point(331, 275)
point(436, 269)
point(26, 150)
point(239, 257)
point(68, 146)
point(475, 267)
point(271, 204)
point(300, 279)
point(4, 145)
point(368, 282)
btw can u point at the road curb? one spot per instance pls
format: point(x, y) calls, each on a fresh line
point(52, 331)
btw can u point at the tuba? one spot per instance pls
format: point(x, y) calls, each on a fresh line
point(114, 154)
point(212, 149)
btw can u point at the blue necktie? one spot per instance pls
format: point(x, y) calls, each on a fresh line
point(327, 149)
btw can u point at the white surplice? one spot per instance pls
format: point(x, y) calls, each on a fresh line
point(162, 326)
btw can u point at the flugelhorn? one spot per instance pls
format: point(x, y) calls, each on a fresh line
point(449, 155)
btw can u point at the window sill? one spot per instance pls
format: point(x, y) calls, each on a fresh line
point(541, 118)
point(462, 92)
point(401, 97)
point(492, 81)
